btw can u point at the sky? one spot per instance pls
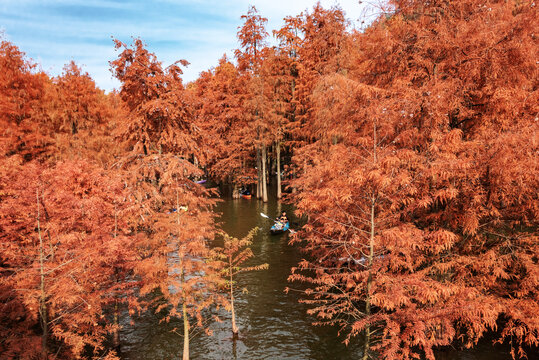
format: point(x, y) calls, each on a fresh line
point(54, 32)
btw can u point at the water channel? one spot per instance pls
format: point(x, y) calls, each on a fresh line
point(273, 324)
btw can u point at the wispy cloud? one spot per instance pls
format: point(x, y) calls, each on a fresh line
point(200, 31)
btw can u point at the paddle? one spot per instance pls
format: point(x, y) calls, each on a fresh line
point(275, 221)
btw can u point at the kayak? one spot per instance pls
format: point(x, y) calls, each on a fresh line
point(278, 228)
point(246, 196)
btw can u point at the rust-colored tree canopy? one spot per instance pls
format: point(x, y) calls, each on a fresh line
point(409, 150)
point(422, 225)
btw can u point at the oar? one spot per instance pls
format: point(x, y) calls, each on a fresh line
point(267, 217)
point(275, 221)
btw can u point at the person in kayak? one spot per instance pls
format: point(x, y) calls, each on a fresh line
point(282, 219)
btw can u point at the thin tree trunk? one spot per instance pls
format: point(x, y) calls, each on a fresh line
point(116, 319)
point(278, 155)
point(369, 284)
point(234, 349)
point(370, 259)
point(269, 166)
point(116, 335)
point(43, 295)
point(258, 175)
point(272, 165)
point(264, 182)
point(184, 306)
point(235, 330)
point(185, 333)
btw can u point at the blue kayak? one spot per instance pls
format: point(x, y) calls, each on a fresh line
point(278, 228)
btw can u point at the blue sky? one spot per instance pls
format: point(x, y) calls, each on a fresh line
point(53, 32)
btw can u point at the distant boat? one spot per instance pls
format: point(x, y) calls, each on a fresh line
point(246, 194)
point(278, 228)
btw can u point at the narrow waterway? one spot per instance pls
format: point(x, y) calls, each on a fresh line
point(273, 324)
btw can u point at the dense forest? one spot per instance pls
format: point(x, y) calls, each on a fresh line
point(409, 150)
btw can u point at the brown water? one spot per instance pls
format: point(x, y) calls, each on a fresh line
point(273, 325)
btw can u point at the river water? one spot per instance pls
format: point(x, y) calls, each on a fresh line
point(273, 324)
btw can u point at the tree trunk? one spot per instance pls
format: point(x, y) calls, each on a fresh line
point(184, 306)
point(43, 295)
point(116, 335)
point(369, 284)
point(258, 175)
point(234, 349)
point(370, 259)
point(235, 330)
point(278, 156)
point(116, 319)
point(185, 333)
point(264, 182)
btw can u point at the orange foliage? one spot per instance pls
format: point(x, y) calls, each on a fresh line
point(221, 95)
point(58, 244)
point(83, 118)
point(161, 134)
point(21, 91)
point(414, 148)
point(420, 186)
